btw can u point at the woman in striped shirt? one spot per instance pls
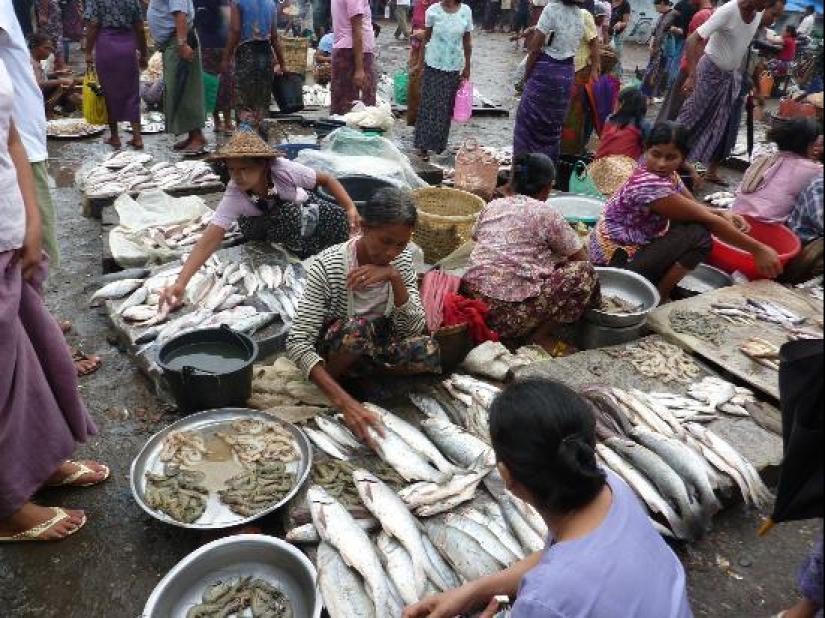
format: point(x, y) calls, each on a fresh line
point(361, 311)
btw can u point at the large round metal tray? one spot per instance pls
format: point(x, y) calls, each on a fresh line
point(51, 125)
point(577, 208)
point(265, 557)
point(217, 514)
point(631, 288)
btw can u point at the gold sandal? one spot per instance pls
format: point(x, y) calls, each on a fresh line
point(34, 534)
point(82, 471)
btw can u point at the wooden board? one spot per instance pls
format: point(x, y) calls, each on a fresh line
point(762, 447)
point(728, 355)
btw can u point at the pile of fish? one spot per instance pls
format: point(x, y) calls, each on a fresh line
point(814, 288)
point(126, 172)
point(747, 313)
point(654, 358)
point(761, 351)
point(699, 325)
point(181, 235)
point(222, 292)
point(258, 488)
point(255, 443)
point(181, 494)
point(721, 199)
point(234, 597)
point(317, 96)
point(74, 127)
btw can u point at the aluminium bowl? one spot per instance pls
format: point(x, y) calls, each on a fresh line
point(629, 287)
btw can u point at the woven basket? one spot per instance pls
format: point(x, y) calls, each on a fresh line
point(322, 74)
point(295, 54)
point(455, 344)
point(610, 173)
point(446, 218)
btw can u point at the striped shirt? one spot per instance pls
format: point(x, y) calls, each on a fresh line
point(327, 298)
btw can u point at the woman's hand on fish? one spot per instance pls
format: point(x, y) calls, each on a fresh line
point(360, 421)
point(367, 276)
point(172, 297)
point(449, 604)
point(767, 262)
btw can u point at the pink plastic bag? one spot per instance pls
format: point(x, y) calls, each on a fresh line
point(463, 109)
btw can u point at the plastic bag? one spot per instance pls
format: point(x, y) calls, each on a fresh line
point(475, 170)
point(211, 85)
point(94, 105)
point(401, 83)
point(463, 109)
point(581, 182)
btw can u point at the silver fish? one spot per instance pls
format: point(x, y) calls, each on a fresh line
point(327, 444)
point(686, 463)
point(116, 289)
point(138, 297)
point(412, 436)
point(129, 273)
point(529, 538)
point(399, 567)
point(447, 504)
point(397, 521)
point(445, 571)
point(232, 301)
point(308, 534)
point(463, 552)
point(286, 303)
point(458, 445)
point(266, 275)
point(254, 323)
point(483, 535)
point(139, 313)
point(338, 432)
point(338, 528)
point(429, 406)
point(404, 459)
point(341, 587)
point(645, 490)
point(428, 493)
point(639, 414)
point(272, 303)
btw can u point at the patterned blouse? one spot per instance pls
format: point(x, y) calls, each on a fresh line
point(519, 241)
point(627, 221)
point(116, 14)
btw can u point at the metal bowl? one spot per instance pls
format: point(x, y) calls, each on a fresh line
point(577, 208)
point(703, 278)
point(265, 557)
point(631, 288)
point(217, 514)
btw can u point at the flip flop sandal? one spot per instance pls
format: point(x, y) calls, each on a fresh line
point(78, 357)
point(181, 144)
point(83, 470)
point(194, 153)
point(34, 534)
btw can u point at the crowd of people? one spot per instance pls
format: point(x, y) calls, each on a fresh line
point(362, 312)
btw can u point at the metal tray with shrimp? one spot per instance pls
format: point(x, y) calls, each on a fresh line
point(72, 129)
point(219, 466)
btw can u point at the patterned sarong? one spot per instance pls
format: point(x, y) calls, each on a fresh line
point(706, 113)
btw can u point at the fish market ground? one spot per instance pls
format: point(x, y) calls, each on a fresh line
point(112, 565)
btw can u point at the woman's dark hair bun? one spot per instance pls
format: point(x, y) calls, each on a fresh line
point(545, 434)
point(532, 174)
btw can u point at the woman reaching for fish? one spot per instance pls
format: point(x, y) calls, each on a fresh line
point(271, 199)
point(654, 226)
point(601, 554)
point(361, 309)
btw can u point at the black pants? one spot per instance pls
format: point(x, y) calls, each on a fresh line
point(687, 244)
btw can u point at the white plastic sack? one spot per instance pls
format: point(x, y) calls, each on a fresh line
point(369, 117)
point(150, 209)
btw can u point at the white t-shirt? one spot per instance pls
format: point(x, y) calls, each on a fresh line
point(402, 2)
point(730, 37)
point(12, 211)
point(29, 109)
point(806, 26)
point(568, 25)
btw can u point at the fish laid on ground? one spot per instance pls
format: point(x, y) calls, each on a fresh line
point(138, 297)
point(404, 459)
point(341, 587)
point(640, 414)
point(664, 478)
point(129, 273)
point(338, 528)
point(531, 516)
point(661, 411)
point(338, 432)
point(327, 444)
point(116, 289)
point(604, 400)
point(415, 438)
point(139, 313)
point(308, 533)
point(399, 567)
point(690, 467)
point(483, 536)
point(397, 521)
point(429, 406)
point(530, 540)
point(760, 494)
point(445, 571)
point(645, 490)
point(459, 445)
point(430, 493)
point(462, 551)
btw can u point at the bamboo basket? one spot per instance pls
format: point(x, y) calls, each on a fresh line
point(610, 173)
point(446, 218)
point(295, 54)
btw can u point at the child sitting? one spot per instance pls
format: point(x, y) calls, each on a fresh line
point(625, 131)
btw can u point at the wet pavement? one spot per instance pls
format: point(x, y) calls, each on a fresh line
point(110, 567)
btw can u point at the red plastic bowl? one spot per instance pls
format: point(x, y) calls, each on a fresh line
point(730, 259)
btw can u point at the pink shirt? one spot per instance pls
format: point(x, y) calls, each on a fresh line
point(519, 240)
point(290, 180)
point(774, 200)
point(342, 12)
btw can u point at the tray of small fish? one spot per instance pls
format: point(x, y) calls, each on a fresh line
point(628, 298)
point(242, 575)
point(72, 128)
point(151, 123)
point(220, 468)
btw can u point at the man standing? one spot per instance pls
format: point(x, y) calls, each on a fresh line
point(353, 70)
point(714, 54)
point(402, 14)
point(171, 26)
point(806, 26)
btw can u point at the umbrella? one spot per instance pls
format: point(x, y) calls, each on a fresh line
point(800, 494)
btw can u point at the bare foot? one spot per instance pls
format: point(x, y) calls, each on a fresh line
point(32, 515)
point(181, 144)
point(98, 474)
point(136, 142)
point(114, 143)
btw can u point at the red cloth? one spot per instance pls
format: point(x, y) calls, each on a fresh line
point(460, 310)
point(616, 140)
point(788, 52)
